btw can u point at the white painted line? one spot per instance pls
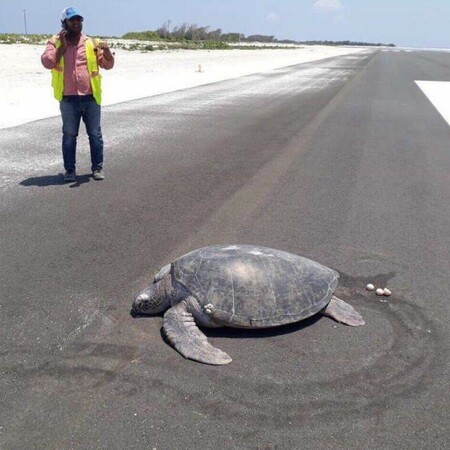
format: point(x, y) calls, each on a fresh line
point(438, 92)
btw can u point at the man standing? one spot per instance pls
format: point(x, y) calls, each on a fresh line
point(74, 60)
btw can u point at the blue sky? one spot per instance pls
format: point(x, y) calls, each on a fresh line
point(417, 23)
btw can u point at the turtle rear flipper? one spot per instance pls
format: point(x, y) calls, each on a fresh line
point(180, 328)
point(342, 312)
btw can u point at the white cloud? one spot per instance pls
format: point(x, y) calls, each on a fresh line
point(273, 17)
point(328, 5)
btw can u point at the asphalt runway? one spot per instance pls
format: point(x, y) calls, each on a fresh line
point(343, 160)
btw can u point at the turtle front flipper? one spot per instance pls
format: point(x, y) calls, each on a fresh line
point(180, 328)
point(342, 312)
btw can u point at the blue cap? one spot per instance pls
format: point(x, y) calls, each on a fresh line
point(70, 12)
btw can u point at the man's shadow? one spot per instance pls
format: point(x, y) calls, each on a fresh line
point(55, 180)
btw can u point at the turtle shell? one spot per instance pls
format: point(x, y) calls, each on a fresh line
point(255, 287)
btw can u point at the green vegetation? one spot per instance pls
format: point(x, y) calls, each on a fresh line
point(193, 32)
point(186, 36)
point(214, 45)
point(21, 39)
point(142, 36)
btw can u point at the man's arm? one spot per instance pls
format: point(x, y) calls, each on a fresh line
point(51, 56)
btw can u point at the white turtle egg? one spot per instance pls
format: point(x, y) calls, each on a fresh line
point(380, 291)
point(386, 292)
point(370, 287)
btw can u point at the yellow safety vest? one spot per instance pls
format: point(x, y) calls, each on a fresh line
point(92, 66)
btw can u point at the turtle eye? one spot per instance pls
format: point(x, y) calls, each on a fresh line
point(144, 306)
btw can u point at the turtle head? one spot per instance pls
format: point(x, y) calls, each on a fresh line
point(152, 300)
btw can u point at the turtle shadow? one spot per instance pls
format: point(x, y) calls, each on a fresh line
point(136, 315)
point(252, 333)
point(55, 180)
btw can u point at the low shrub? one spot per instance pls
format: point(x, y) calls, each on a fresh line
point(215, 45)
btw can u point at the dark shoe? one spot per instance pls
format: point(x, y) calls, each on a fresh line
point(70, 175)
point(98, 174)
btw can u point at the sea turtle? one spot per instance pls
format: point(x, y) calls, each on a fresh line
point(239, 286)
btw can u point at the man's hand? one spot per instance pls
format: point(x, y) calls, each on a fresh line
point(63, 47)
point(62, 38)
point(103, 45)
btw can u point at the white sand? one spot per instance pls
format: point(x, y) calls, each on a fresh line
point(26, 94)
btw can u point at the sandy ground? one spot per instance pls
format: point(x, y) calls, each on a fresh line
point(25, 91)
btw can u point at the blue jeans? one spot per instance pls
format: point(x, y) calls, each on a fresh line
point(73, 109)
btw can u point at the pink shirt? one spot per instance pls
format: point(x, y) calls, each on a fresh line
point(76, 75)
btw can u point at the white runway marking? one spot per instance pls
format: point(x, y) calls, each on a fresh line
point(438, 92)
